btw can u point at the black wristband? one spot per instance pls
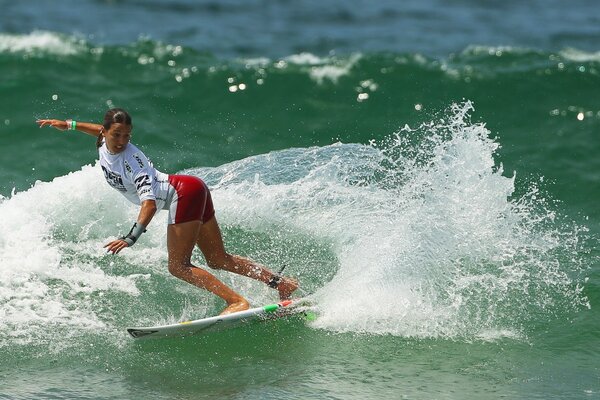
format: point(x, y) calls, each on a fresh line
point(274, 281)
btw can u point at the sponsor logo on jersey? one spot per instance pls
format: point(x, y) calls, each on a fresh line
point(139, 160)
point(128, 168)
point(115, 180)
point(143, 184)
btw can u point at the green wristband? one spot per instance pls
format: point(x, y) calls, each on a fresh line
point(73, 125)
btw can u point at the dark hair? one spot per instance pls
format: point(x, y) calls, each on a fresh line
point(113, 116)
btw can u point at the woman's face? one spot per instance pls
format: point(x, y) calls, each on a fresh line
point(117, 137)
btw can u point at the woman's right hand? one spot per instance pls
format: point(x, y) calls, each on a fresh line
point(55, 123)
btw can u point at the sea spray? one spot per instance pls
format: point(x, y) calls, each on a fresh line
point(453, 253)
point(429, 236)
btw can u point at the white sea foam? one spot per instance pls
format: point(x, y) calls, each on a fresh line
point(580, 55)
point(333, 71)
point(319, 69)
point(47, 42)
point(306, 59)
point(50, 239)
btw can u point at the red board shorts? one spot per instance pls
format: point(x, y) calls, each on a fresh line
point(191, 200)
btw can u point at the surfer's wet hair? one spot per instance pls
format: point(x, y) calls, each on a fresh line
point(113, 116)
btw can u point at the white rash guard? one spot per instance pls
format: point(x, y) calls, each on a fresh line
point(132, 174)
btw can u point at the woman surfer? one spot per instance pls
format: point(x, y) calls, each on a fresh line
point(191, 219)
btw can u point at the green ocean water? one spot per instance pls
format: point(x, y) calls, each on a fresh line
point(440, 210)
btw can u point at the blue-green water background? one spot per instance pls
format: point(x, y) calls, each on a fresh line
point(428, 171)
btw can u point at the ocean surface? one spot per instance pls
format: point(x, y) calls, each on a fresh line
point(427, 170)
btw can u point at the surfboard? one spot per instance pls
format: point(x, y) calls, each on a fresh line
point(219, 322)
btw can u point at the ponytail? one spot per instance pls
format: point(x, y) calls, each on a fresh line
point(100, 137)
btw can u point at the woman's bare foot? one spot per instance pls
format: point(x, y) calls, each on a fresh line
point(235, 307)
point(286, 287)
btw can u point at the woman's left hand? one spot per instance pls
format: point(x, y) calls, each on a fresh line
point(116, 246)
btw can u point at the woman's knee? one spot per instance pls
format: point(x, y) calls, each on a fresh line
point(178, 269)
point(224, 262)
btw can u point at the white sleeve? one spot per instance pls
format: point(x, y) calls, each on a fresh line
point(142, 174)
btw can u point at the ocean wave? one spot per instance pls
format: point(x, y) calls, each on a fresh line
point(421, 234)
point(474, 62)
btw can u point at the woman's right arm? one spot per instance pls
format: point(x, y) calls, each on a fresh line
point(85, 127)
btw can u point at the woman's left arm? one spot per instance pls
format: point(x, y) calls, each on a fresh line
point(147, 211)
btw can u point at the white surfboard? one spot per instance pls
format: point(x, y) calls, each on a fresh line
point(219, 322)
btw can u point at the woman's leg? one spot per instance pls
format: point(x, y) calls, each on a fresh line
point(210, 242)
point(180, 242)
